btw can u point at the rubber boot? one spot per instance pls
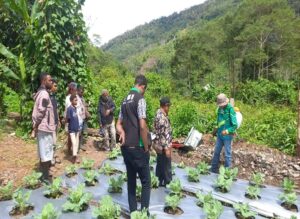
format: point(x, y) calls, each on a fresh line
point(45, 168)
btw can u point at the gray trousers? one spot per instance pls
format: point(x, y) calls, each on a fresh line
point(109, 132)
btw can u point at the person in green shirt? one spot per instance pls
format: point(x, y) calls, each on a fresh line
point(226, 127)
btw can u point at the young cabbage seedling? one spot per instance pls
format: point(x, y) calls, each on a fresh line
point(229, 173)
point(78, 200)
point(181, 165)
point(288, 185)
point(107, 169)
point(203, 168)
point(87, 164)
point(6, 191)
point(258, 179)
point(193, 175)
point(114, 154)
point(71, 170)
point(253, 192)
point(107, 209)
point(223, 184)
point(90, 177)
point(54, 190)
point(22, 207)
point(152, 160)
point(124, 176)
point(48, 212)
point(243, 211)
point(154, 181)
point(203, 198)
point(172, 202)
point(33, 181)
point(141, 215)
point(213, 209)
point(115, 185)
point(175, 188)
point(138, 192)
point(289, 200)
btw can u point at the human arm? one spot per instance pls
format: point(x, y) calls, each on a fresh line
point(40, 109)
point(142, 122)
point(120, 129)
point(99, 112)
point(232, 116)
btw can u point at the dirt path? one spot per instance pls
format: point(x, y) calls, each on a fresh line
point(18, 158)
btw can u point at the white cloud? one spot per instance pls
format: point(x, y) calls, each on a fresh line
point(111, 18)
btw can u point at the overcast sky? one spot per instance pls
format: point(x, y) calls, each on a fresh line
point(110, 18)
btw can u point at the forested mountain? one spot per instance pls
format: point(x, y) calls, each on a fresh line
point(164, 29)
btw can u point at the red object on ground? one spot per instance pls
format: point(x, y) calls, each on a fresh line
point(177, 145)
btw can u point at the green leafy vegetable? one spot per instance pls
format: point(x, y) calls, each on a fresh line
point(172, 201)
point(115, 184)
point(48, 212)
point(54, 190)
point(71, 170)
point(87, 164)
point(213, 209)
point(288, 185)
point(114, 154)
point(193, 175)
point(154, 181)
point(175, 188)
point(253, 192)
point(203, 168)
point(289, 199)
point(138, 192)
point(152, 160)
point(107, 209)
point(32, 181)
point(90, 177)
point(6, 191)
point(107, 169)
point(258, 179)
point(203, 198)
point(78, 200)
point(244, 210)
point(181, 165)
point(141, 215)
point(21, 202)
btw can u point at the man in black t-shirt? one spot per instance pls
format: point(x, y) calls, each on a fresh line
point(133, 132)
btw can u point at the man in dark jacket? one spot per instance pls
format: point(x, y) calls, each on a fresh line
point(133, 132)
point(106, 108)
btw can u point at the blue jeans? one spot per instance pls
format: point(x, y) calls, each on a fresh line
point(218, 149)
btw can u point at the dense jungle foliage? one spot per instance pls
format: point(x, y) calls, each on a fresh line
point(245, 48)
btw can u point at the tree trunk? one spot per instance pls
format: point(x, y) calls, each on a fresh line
point(298, 127)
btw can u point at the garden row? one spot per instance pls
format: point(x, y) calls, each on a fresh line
point(194, 193)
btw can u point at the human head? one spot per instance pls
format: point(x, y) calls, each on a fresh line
point(141, 83)
point(165, 104)
point(80, 91)
point(222, 100)
point(105, 93)
point(72, 88)
point(54, 86)
point(73, 99)
point(46, 80)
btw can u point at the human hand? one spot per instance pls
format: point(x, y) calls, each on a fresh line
point(168, 152)
point(122, 138)
point(33, 133)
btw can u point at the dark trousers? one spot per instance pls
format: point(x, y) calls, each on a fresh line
point(163, 169)
point(137, 162)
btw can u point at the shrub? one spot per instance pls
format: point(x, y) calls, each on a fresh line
point(55, 189)
point(48, 212)
point(6, 191)
point(115, 184)
point(78, 200)
point(107, 209)
point(32, 181)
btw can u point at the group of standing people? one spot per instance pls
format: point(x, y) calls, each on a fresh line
point(131, 126)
